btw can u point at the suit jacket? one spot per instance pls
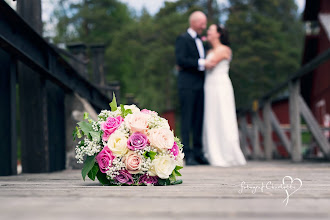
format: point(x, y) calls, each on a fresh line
point(187, 56)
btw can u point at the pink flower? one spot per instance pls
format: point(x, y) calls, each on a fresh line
point(110, 125)
point(203, 38)
point(137, 141)
point(138, 122)
point(146, 111)
point(124, 177)
point(104, 159)
point(146, 179)
point(175, 149)
point(132, 162)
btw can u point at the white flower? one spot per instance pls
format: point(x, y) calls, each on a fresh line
point(179, 159)
point(117, 143)
point(162, 166)
point(137, 122)
point(158, 122)
point(134, 108)
point(161, 138)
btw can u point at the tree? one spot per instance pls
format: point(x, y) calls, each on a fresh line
point(266, 39)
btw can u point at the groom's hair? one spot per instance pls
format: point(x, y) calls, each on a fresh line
point(224, 36)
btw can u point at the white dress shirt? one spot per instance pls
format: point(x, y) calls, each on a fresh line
point(200, 48)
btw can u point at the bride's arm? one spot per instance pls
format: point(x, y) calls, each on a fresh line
point(219, 54)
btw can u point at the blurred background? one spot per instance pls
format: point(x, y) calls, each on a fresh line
point(127, 47)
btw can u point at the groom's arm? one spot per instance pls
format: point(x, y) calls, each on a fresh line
point(183, 59)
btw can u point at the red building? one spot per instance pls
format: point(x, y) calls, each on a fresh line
point(315, 87)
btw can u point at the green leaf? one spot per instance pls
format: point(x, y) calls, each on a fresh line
point(178, 168)
point(96, 135)
point(85, 127)
point(76, 133)
point(150, 154)
point(176, 182)
point(113, 104)
point(92, 173)
point(88, 165)
point(102, 177)
point(85, 115)
point(177, 173)
point(164, 182)
point(172, 176)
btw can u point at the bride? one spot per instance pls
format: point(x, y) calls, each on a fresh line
point(220, 131)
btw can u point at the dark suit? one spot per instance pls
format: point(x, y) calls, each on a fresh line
point(191, 94)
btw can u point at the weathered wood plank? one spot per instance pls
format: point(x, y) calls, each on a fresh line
point(294, 88)
point(206, 193)
point(314, 127)
point(268, 142)
point(279, 131)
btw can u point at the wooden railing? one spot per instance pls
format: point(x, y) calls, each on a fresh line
point(297, 107)
point(19, 43)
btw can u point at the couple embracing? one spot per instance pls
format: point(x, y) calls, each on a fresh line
point(206, 96)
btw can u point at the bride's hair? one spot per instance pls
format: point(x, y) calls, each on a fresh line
point(224, 38)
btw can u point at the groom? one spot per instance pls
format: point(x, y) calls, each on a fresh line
point(190, 58)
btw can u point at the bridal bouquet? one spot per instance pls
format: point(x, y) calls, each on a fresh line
point(128, 146)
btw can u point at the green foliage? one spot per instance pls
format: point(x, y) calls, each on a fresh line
point(150, 154)
point(125, 112)
point(89, 132)
point(266, 39)
point(113, 103)
point(102, 177)
point(92, 173)
point(88, 165)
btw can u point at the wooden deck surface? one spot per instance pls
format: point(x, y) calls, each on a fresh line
point(206, 193)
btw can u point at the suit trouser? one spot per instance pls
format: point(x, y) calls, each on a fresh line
point(192, 109)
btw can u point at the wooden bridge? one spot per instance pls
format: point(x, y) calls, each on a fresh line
point(37, 71)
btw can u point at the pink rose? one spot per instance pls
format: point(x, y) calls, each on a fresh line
point(175, 149)
point(104, 159)
point(110, 125)
point(132, 162)
point(137, 141)
point(146, 179)
point(146, 111)
point(124, 177)
point(161, 138)
point(138, 122)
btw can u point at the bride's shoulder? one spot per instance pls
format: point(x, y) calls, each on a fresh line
point(223, 52)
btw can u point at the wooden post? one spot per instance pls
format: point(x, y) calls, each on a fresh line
point(33, 102)
point(255, 136)
point(268, 131)
point(294, 88)
point(277, 127)
point(8, 136)
point(56, 121)
point(245, 132)
point(314, 128)
point(79, 51)
point(98, 64)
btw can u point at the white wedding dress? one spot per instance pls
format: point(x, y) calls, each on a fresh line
point(220, 131)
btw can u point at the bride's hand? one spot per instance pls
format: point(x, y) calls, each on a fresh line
point(209, 64)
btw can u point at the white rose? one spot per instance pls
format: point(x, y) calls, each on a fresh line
point(161, 138)
point(137, 122)
point(117, 143)
point(162, 166)
point(134, 108)
point(179, 159)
